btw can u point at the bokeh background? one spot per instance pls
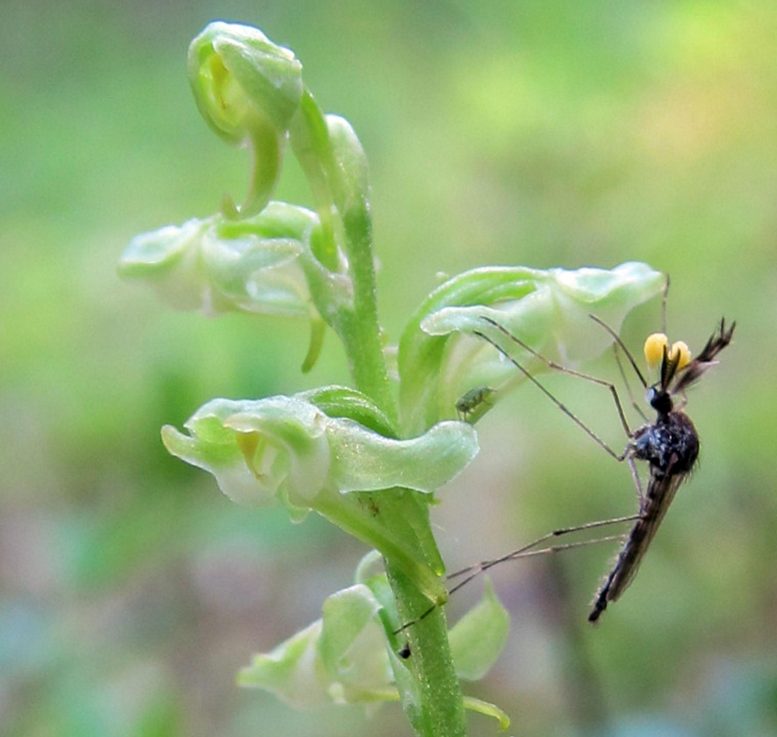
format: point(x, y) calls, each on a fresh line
point(544, 133)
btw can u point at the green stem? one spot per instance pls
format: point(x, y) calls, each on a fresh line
point(440, 711)
point(363, 519)
point(334, 163)
point(338, 182)
point(309, 139)
point(361, 334)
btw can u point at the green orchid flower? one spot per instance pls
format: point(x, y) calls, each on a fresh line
point(288, 449)
point(346, 658)
point(217, 265)
point(369, 464)
point(441, 361)
point(263, 264)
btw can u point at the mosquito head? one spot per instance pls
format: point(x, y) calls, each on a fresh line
point(659, 399)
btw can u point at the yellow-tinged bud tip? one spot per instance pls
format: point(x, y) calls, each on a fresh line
point(654, 349)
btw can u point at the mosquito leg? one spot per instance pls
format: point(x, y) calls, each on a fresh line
point(633, 401)
point(530, 553)
point(531, 549)
point(622, 345)
point(562, 407)
point(524, 549)
point(569, 546)
point(637, 482)
point(566, 370)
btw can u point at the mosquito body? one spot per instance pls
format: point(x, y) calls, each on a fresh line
point(670, 445)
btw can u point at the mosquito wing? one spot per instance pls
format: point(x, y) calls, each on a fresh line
point(660, 493)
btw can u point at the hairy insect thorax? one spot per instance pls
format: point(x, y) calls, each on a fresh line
point(670, 445)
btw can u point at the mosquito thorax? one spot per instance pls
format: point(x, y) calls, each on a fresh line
point(670, 445)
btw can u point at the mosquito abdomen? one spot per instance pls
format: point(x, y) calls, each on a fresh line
point(660, 493)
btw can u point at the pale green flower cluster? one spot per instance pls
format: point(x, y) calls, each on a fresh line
point(373, 458)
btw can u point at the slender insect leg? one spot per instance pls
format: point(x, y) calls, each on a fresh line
point(637, 482)
point(565, 369)
point(531, 549)
point(617, 456)
point(635, 405)
point(517, 555)
point(622, 345)
point(524, 549)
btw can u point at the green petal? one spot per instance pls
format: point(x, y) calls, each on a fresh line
point(479, 637)
point(487, 709)
point(293, 671)
point(340, 658)
point(169, 260)
point(353, 645)
point(289, 447)
point(366, 461)
point(344, 402)
point(258, 449)
point(255, 265)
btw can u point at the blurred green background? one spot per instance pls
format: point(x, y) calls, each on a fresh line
point(542, 133)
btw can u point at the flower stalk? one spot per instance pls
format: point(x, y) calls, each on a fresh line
point(368, 462)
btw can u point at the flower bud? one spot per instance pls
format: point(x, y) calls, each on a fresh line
point(247, 89)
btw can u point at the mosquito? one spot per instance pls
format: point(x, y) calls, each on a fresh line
point(669, 445)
